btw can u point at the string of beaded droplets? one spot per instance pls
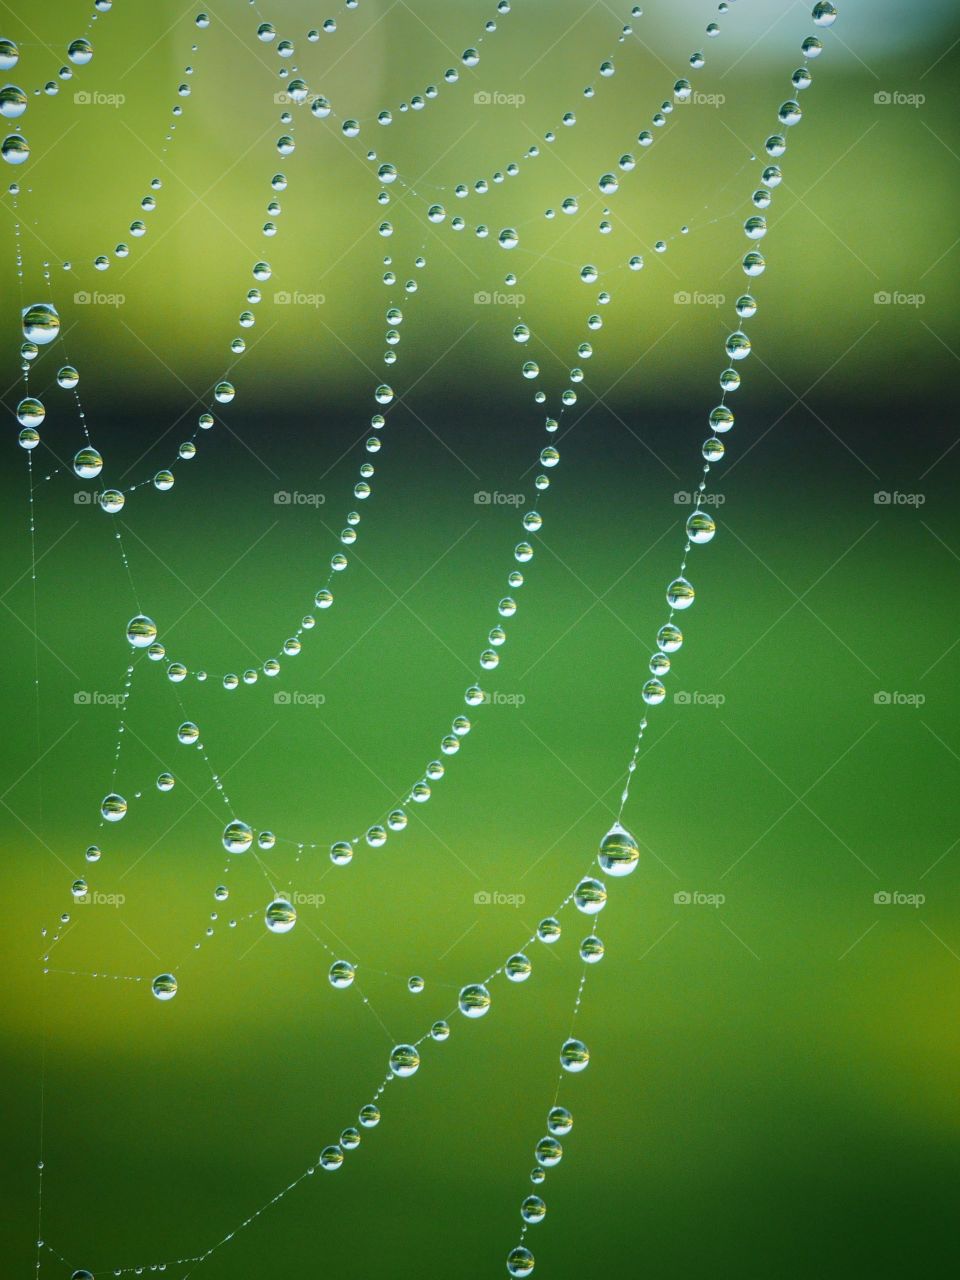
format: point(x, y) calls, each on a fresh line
point(616, 854)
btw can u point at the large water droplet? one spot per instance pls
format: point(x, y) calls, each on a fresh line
point(280, 916)
point(574, 1055)
point(237, 836)
point(404, 1060)
point(474, 1000)
point(619, 852)
point(164, 987)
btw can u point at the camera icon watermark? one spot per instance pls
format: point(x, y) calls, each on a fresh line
point(685, 498)
point(84, 298)
point(495, 298)
point(696, 99)
point(93, 698)
point(897, 899)
point(895, 98)
point(94, 98)
point(898, 298)
point(883, 698)
point(293, 498)
point(296, 298)
point(696, 898)
point(696, 298)
point(495, 898)
point(495, 98)
point(888, 498)
point(296, 698)
point(98, 899)
point(694, 698)
point(488, 498)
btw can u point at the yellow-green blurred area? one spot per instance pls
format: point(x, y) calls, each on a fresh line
point(773, 1029)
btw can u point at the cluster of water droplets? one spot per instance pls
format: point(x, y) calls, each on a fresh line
point(619, 852)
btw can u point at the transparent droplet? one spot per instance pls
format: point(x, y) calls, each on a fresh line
point(701, 526)
point(559, 1121)
point(824, 13)
point(590, 896)
point(520, 1261)
point(369, 1115)
point(474, 1000)
point(548, 930)
point(80, 52)
point(533, 1209)
point(331, 1158)
point(619, 852)
point(591, 950)
point(342, 974)
point(87, 463)
point(518, 968)
point(164, 987)
point(40, 323)
point(680, 594)
point(754, 264)
point(9, 55)
point(404, 1060)
point(141, 631)
point(113, 807)
point(574, 1055)
point(30, 412)
point(237, 836)
point(15, 149)
point(548, 1152)
point(280, 916)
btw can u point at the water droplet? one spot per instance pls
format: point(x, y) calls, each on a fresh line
point(87, 463)
point(280, 916)
point(474, 1000)
point(520, 1261)
point(824, 14)
point(9, 55)
point(701, 526)
point(574, 1056)
point(15, 149)
point(404, 1060)
point(114, 807)
point(591, 950)
point(141, 631)
point(111, 501)
point(590, 896)
point(237, 836)
point(533, 1209)
point(548, 930)
point(680, 594)
point(548, 1152)
point(164, 987)
point(342, 974)
point(30, 412)
point(369, 1115)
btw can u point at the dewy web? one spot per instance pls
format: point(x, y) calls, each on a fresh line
point(399, 196)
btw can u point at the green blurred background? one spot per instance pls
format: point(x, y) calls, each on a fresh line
point(772, 1087)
